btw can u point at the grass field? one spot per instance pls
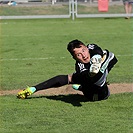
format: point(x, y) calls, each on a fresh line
point(30, 48)
point(35, 50)
point(43, 115)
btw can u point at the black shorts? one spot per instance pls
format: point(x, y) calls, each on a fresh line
point(96, 93)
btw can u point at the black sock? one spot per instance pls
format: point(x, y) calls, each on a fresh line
point(56, 81)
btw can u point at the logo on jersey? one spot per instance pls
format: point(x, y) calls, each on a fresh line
point(81, 67)
point(91, 46)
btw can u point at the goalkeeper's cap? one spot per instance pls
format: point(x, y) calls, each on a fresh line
point(74, 44)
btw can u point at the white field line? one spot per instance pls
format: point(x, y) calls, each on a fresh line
point(18, 59)
point(48, 58)
point(125, 55)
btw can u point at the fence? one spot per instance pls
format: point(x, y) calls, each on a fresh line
point(75, 13)
point(67, 9)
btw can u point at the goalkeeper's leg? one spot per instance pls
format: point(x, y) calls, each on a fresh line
point(57, 81)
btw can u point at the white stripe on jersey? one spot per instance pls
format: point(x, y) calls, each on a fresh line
point(102, 80)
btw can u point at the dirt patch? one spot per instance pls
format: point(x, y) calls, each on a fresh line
point(114, 88)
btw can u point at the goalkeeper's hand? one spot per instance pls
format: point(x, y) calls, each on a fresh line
point(95, 62)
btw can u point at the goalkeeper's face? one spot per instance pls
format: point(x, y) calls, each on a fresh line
point(82, 54)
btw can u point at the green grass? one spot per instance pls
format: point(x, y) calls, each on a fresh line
point(34, 10)
point(29, 40)
point(115, 8)
point(24, 43)
point(57, 9)
point(66, 114)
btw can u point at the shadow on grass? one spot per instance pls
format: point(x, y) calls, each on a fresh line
point(74, 99)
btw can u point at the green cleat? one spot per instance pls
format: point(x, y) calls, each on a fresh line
point(23, 94)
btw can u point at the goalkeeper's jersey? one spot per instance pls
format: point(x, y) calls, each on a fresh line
point(83, 68)
point(91, 85)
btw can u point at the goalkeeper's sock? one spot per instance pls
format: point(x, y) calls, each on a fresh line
point(56, 81)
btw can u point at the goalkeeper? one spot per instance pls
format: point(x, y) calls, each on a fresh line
point(91, 69)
